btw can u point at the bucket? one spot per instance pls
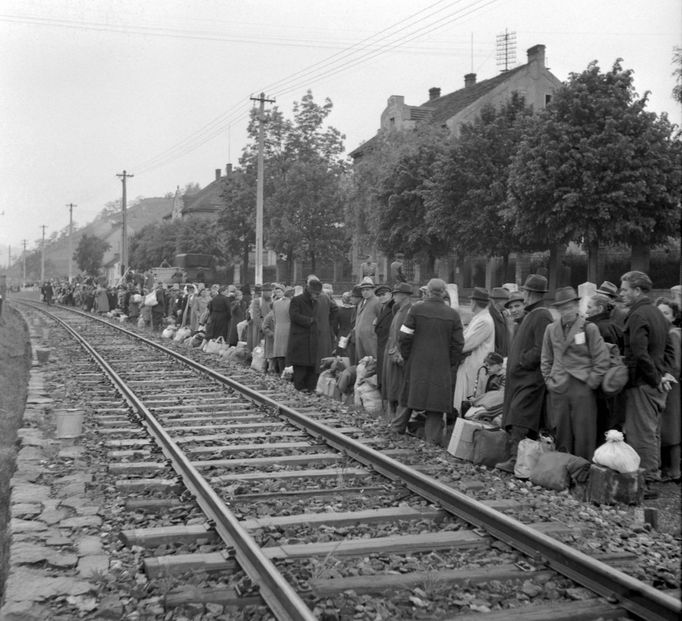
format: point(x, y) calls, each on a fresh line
point(69, 423)
point(43, 354)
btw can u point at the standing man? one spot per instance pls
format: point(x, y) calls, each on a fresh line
point(302, 346)
point(368, 268)
point(574, 361)
point(366, 315)
point(431, 342)
point(648, 353)
point(479, 341)
point(524, 396)
point(498, 299)
point(382, 326)
point(394, 364)
point(515, 308)
point(159, 310)
point(396, 269)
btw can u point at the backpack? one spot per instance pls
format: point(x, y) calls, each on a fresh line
point(616, 377)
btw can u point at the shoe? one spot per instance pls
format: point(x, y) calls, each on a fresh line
point(507, 466)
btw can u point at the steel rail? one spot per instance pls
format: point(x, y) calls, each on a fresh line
point(635, 596)
point(280, 597)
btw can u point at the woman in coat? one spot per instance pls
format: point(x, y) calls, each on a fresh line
point(280, 313)
point(219, 316)
point(479, 341)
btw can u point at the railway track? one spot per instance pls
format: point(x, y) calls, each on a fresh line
point(297, 508)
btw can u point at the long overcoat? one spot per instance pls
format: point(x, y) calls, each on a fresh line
point(431, 341)
point(220, 315)
point(382, 328)
point(524, 394)
point(394, 372)
point(302, 350)
point(479, 341)
point(365, 337)
point(502, 336)
point(326, 318)
point(280, 311)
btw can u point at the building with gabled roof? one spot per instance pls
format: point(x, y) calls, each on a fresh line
point(533, 81)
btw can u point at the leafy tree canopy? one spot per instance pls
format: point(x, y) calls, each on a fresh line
point(89, 254)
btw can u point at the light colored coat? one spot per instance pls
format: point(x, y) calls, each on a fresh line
point(280, 311)
point(479, 341)
point(365, 336)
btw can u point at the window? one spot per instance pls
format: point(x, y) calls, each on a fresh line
point(548, 98)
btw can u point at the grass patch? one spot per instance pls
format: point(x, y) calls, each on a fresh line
point(15, 363)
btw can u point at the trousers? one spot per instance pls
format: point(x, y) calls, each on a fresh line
point(305, 378)
point(643, 407)
point(572, 418)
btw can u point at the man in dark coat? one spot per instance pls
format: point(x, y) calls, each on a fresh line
point(431, 341)
point(382, 326)
point(648, 354)
point(219, 314)
point(302, 349)
point(396, 268)
point(159, 311)
point(499, 296)
point(394, 365)
point(524, 396)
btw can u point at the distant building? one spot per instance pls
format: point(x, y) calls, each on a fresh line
point(533, 81)
point(207, 202)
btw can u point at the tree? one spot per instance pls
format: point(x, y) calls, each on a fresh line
point(677, 61)
point(595, 168)
point(89, 253)
point(467, 196)
point(303, 183)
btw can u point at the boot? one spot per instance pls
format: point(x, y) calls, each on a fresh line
point(516, 434)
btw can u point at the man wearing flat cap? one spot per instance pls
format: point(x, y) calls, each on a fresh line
point(524, 396)
point(431, 342)
point(394, 364)
point(573, 363)
point(479, 341)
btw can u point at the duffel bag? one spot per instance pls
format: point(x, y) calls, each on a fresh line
point(491, 446)
point(556, 470)
point(182, 334)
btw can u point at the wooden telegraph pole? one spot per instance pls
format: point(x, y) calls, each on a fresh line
point(124, 228)
point(259, 189)
point(71, 206)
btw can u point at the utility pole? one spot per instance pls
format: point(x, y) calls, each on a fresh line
point(42, 256)
point(259, 189)
point(124, 228)
point(23, 282)
point(71, 206)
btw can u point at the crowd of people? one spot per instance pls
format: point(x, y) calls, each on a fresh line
point(546, 361)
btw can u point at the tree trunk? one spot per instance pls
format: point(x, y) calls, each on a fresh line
point(593, 261)
point(313, 262)
point(505, 267)
point(245, 263)
point(640, 257)
point(556, 255)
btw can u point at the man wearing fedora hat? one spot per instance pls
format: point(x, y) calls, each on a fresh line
point(431, 343)
point(515, 307)
point(574, 361)
point(524, 396)
point(479, 341)
point(498, 298)
point(368, 310)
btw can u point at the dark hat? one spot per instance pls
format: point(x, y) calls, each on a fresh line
point(493, 358)
point(563, 295)
point(535, 283)
point(500, 293)
point(480, 295)
point(315, 285)
point(399, 255)
point(366, 283)
point(402, 287)
point(382, 289)
point(356, 291)
point(258, 288)
point(608, 289)
point(267, 286)
point(516, 296)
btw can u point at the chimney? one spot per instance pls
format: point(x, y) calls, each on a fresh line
point(434, 93)
point(536, 54)
point(469, 80)
point(218, 172)
point(228, 170)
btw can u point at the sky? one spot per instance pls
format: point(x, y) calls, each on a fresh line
point(162, 88)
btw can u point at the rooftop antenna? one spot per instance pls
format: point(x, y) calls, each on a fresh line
point(506, 50)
